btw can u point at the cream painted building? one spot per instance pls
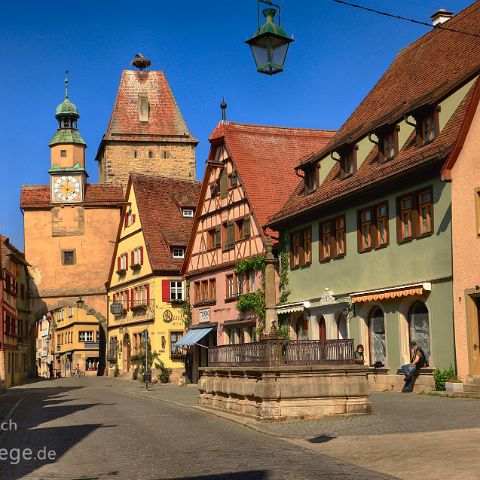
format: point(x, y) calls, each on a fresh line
point(75, 340)
point(145, 279)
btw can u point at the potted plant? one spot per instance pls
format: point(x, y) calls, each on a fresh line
point(116, 371)
point(447, 380)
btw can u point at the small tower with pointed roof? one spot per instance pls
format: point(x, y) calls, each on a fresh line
point(67, 155)
point(147, 132)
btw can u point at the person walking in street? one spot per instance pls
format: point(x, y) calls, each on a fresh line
point(418, 360)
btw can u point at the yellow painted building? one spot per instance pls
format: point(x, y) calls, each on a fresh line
point(145, 282)
point(75, 338)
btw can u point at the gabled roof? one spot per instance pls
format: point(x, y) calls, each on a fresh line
point(421, 74)
point(165, 123)
point(264, 158)
point(39, 196)
point(372, 173)
point(159, 202)
point(7, 250)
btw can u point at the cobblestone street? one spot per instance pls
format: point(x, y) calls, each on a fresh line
point(99, 428)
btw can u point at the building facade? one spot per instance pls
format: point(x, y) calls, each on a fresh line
point(145, 280)
point(69, 226)
point(15, 317)
point(370, 225)
point(75, 339)
point(147, 133)
point(249, 173)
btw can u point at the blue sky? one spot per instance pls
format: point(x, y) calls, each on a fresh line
point(338, 55)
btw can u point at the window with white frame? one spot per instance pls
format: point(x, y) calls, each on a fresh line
point(178, 252)
point(137, 256)
point(85, 336)
point(187, 212)
point(123, 261)
point(176, 290)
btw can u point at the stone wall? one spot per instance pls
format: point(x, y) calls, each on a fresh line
point(380, 381)
point(119, 159)
point(278, 393)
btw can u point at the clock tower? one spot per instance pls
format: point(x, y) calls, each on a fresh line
point(67, 156)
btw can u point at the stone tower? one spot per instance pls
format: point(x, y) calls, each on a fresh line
point(147, 133)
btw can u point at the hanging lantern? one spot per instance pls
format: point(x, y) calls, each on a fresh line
point(270, 42)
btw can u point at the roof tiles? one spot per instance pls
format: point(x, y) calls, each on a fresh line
point(165, 120)
point(160, 201)
point(265, 158)
point(39, 196)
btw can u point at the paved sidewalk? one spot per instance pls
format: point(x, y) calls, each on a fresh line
point(425, 436)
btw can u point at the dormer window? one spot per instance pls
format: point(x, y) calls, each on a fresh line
point(428, 127)
point(389, 144)
point(348, 161)
point(311, 178)
point(143, 108)
point(187, 212)
point(178, 252)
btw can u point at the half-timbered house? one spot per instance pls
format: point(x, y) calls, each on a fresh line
point(249, 174)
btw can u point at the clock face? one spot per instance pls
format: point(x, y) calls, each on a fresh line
point(66, 189)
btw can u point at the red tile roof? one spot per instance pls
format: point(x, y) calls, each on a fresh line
point(264, 158)
point(371, 172)
point(165, 120)
point(421, 73)
point(8, 250)
point(38, 196)
point(160, 201)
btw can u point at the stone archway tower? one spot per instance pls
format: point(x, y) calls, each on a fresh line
point(147, 133)
point(70, 225)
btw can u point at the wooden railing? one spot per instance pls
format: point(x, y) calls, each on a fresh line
point(274, 352)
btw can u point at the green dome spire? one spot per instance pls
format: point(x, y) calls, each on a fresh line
point(67, 115)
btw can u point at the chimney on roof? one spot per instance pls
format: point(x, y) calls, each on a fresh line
point(441, 16)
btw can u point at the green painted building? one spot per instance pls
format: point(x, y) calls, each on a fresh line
point(369, 226)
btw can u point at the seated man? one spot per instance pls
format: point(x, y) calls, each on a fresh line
point(418, 360)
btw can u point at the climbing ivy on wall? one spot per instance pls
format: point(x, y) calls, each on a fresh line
point(186, 307)
point(253, 300)
point(283, 269)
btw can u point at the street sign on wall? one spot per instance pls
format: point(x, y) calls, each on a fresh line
point(116, 308)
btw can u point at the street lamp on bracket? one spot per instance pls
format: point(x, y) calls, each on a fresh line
point(270, 42)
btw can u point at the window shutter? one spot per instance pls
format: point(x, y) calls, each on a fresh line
point(230, 234)
point(223, 183)
point(134, 216)
point(147, 288)
point(301, 251)
point(399, 221)
point(141, 255)
point(118, 264)
point(114, 298)
point(292, 260)
point(132, 257)
point(218, 237)
point(127, 294)
point(166, 290)
point(132, 297)
point(416, 215)
point(246, 227)
point(126, 219)
point(359, 231)
point(126, 260)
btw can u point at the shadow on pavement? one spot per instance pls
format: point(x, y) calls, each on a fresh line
point(42, 445)
point(321, 439)
point(247, 474)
